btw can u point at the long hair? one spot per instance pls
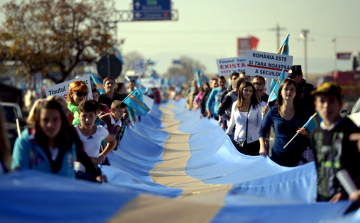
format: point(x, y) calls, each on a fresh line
point(5, 150)
point(280, 99)
point(254, 100)
point(67, 134)
point(76, 86)
point(203, 87)
point(31, 117)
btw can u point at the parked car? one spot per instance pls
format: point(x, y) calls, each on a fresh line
point(12, 112)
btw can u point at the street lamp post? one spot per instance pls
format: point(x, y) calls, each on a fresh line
point(304, 36)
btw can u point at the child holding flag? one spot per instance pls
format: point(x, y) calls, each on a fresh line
point(331, 144)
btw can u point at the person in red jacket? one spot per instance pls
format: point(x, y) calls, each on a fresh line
point(156, 95)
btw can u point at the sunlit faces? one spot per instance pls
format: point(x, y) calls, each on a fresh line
point(328, 107)
point(247, 92)
point(258, 80)
point(259, 89)
point(233, 80)
point(95, 96)
point(50, 122)
point(132, 85)
point(79, 96)
point(288, 92)
point(87, 119)
point(222, 82)
point(118, 113)
point(122, 90)
point(214, 84)
point(109, 85)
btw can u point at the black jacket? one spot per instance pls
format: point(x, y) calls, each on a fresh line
point(205, 97)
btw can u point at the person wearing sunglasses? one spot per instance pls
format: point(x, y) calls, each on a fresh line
point(78, 91)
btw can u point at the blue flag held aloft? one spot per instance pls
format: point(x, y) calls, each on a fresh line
point(135, 101)
point(275, 89)
point(284, 50)
point(197, 77)
point(98, 83)
point(203, 78)
point(304, 126)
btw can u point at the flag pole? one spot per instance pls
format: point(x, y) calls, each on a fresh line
point(17, 123)
point(298, 132)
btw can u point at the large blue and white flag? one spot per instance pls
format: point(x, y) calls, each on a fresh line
point(171, 153)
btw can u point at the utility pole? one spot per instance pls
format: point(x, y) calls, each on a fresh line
point(277, 29)
point(334, 41)
point(303, 34)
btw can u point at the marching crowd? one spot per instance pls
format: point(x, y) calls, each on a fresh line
point(245, 114)
point(74, 137)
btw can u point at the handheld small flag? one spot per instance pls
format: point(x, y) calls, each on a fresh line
point(315, 122)
point(306, 124)
point(275, 89)
point(98, 83)
point(135, 101)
